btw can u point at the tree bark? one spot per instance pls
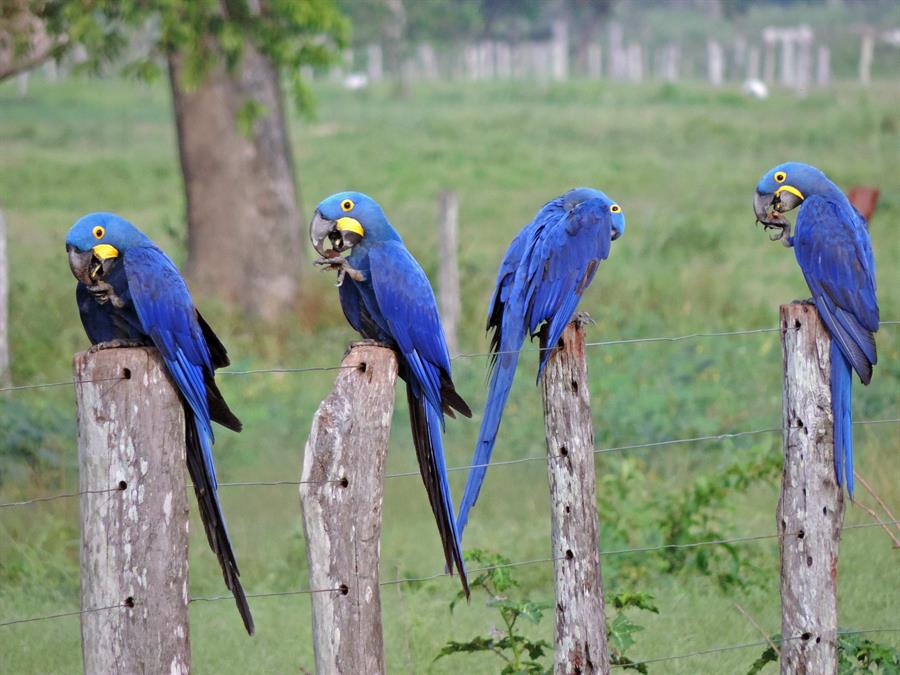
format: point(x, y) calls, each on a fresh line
point(811, 507)
point(134, 515)
point(24, 42)
point(581, 645)
point(244, 241)
point(341, 493)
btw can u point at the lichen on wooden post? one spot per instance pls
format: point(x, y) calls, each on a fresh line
point(581, 645)
point(134, 515)
point(341, 493)
point(811, 506)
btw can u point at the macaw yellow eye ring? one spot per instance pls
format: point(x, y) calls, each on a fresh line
point(780, 176)
point(615, 208)
point(98, 232)
point(347, 205)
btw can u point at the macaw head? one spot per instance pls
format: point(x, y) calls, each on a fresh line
point(95, 243)
point(346, 219)
point(579, 197)
point(784, 188)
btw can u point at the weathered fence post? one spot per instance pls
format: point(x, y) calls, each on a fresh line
point(448, 266)
point(575, 527)
point(134, 515)
point(811, 506)
point(341, 492)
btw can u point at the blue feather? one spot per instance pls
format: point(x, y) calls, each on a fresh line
point(544, 273)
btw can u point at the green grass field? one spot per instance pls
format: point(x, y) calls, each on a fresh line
point(683, 163)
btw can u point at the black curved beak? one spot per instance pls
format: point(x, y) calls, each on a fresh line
point(321, 228)
point(614, 234)
point(83, 264)
point(764, 207)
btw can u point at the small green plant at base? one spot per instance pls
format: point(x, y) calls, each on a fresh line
point(857, 655)
point(520, 653)
point(621, 629)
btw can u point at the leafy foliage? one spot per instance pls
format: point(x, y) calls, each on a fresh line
point(34, 438)
point(520, 653)
point(205, 33)
point(857, 655)
point(641, 515)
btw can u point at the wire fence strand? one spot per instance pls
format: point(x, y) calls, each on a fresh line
point(508, 462)
point(439, 575)
point(742, 645)
point(466, 355)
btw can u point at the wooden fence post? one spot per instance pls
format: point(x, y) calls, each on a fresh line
point(581, 645)
point(134, 515)
point(4, 306)
point(448, 266)
point(341, 498)
point(811, 506)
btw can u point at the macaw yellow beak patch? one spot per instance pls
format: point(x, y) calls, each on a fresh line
point(105, 251)
point(790, 188)
point(348, 224)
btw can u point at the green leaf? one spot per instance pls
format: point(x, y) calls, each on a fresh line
point(637, 600)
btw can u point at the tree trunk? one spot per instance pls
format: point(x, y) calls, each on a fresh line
point(244, 241)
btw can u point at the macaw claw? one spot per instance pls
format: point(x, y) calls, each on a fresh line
point(114, 344)
point(343, 268)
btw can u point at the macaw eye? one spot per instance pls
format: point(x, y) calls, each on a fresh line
point(780, 176)
point(99, 231)
point(347, 205)
point(615, 208)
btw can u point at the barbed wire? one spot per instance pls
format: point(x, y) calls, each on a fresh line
point(310, 369)
point(508, 462)
point(742, 645)
point(432, 577)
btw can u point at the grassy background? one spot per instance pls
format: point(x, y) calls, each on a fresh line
point(682, 161)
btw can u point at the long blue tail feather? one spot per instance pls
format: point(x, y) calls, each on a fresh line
point(498, 391)
point(841, 408)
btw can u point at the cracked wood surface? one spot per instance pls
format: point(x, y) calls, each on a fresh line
point(581, 645)
point(134, 538)
point(342, 511)
point(811, 506)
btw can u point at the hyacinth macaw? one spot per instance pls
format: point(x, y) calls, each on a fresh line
point(386, 297)
point(832, 245)
point(130, 293)
point(544, 273)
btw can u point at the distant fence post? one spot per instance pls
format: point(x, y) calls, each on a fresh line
point(4, 305)
point(134, 515)
point(448, 266)
point(581, 645)
point(341, 493)
point(811, 506)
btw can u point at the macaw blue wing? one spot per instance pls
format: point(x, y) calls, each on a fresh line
point(834, 251)
point(835, 254)
point(563, 265)
point(542, 277)
point(167, 314)
point(406, 303)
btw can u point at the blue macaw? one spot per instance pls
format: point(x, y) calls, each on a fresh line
point(544, 273)
point(386, 297)
point(130, 293)
point(832, 245)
